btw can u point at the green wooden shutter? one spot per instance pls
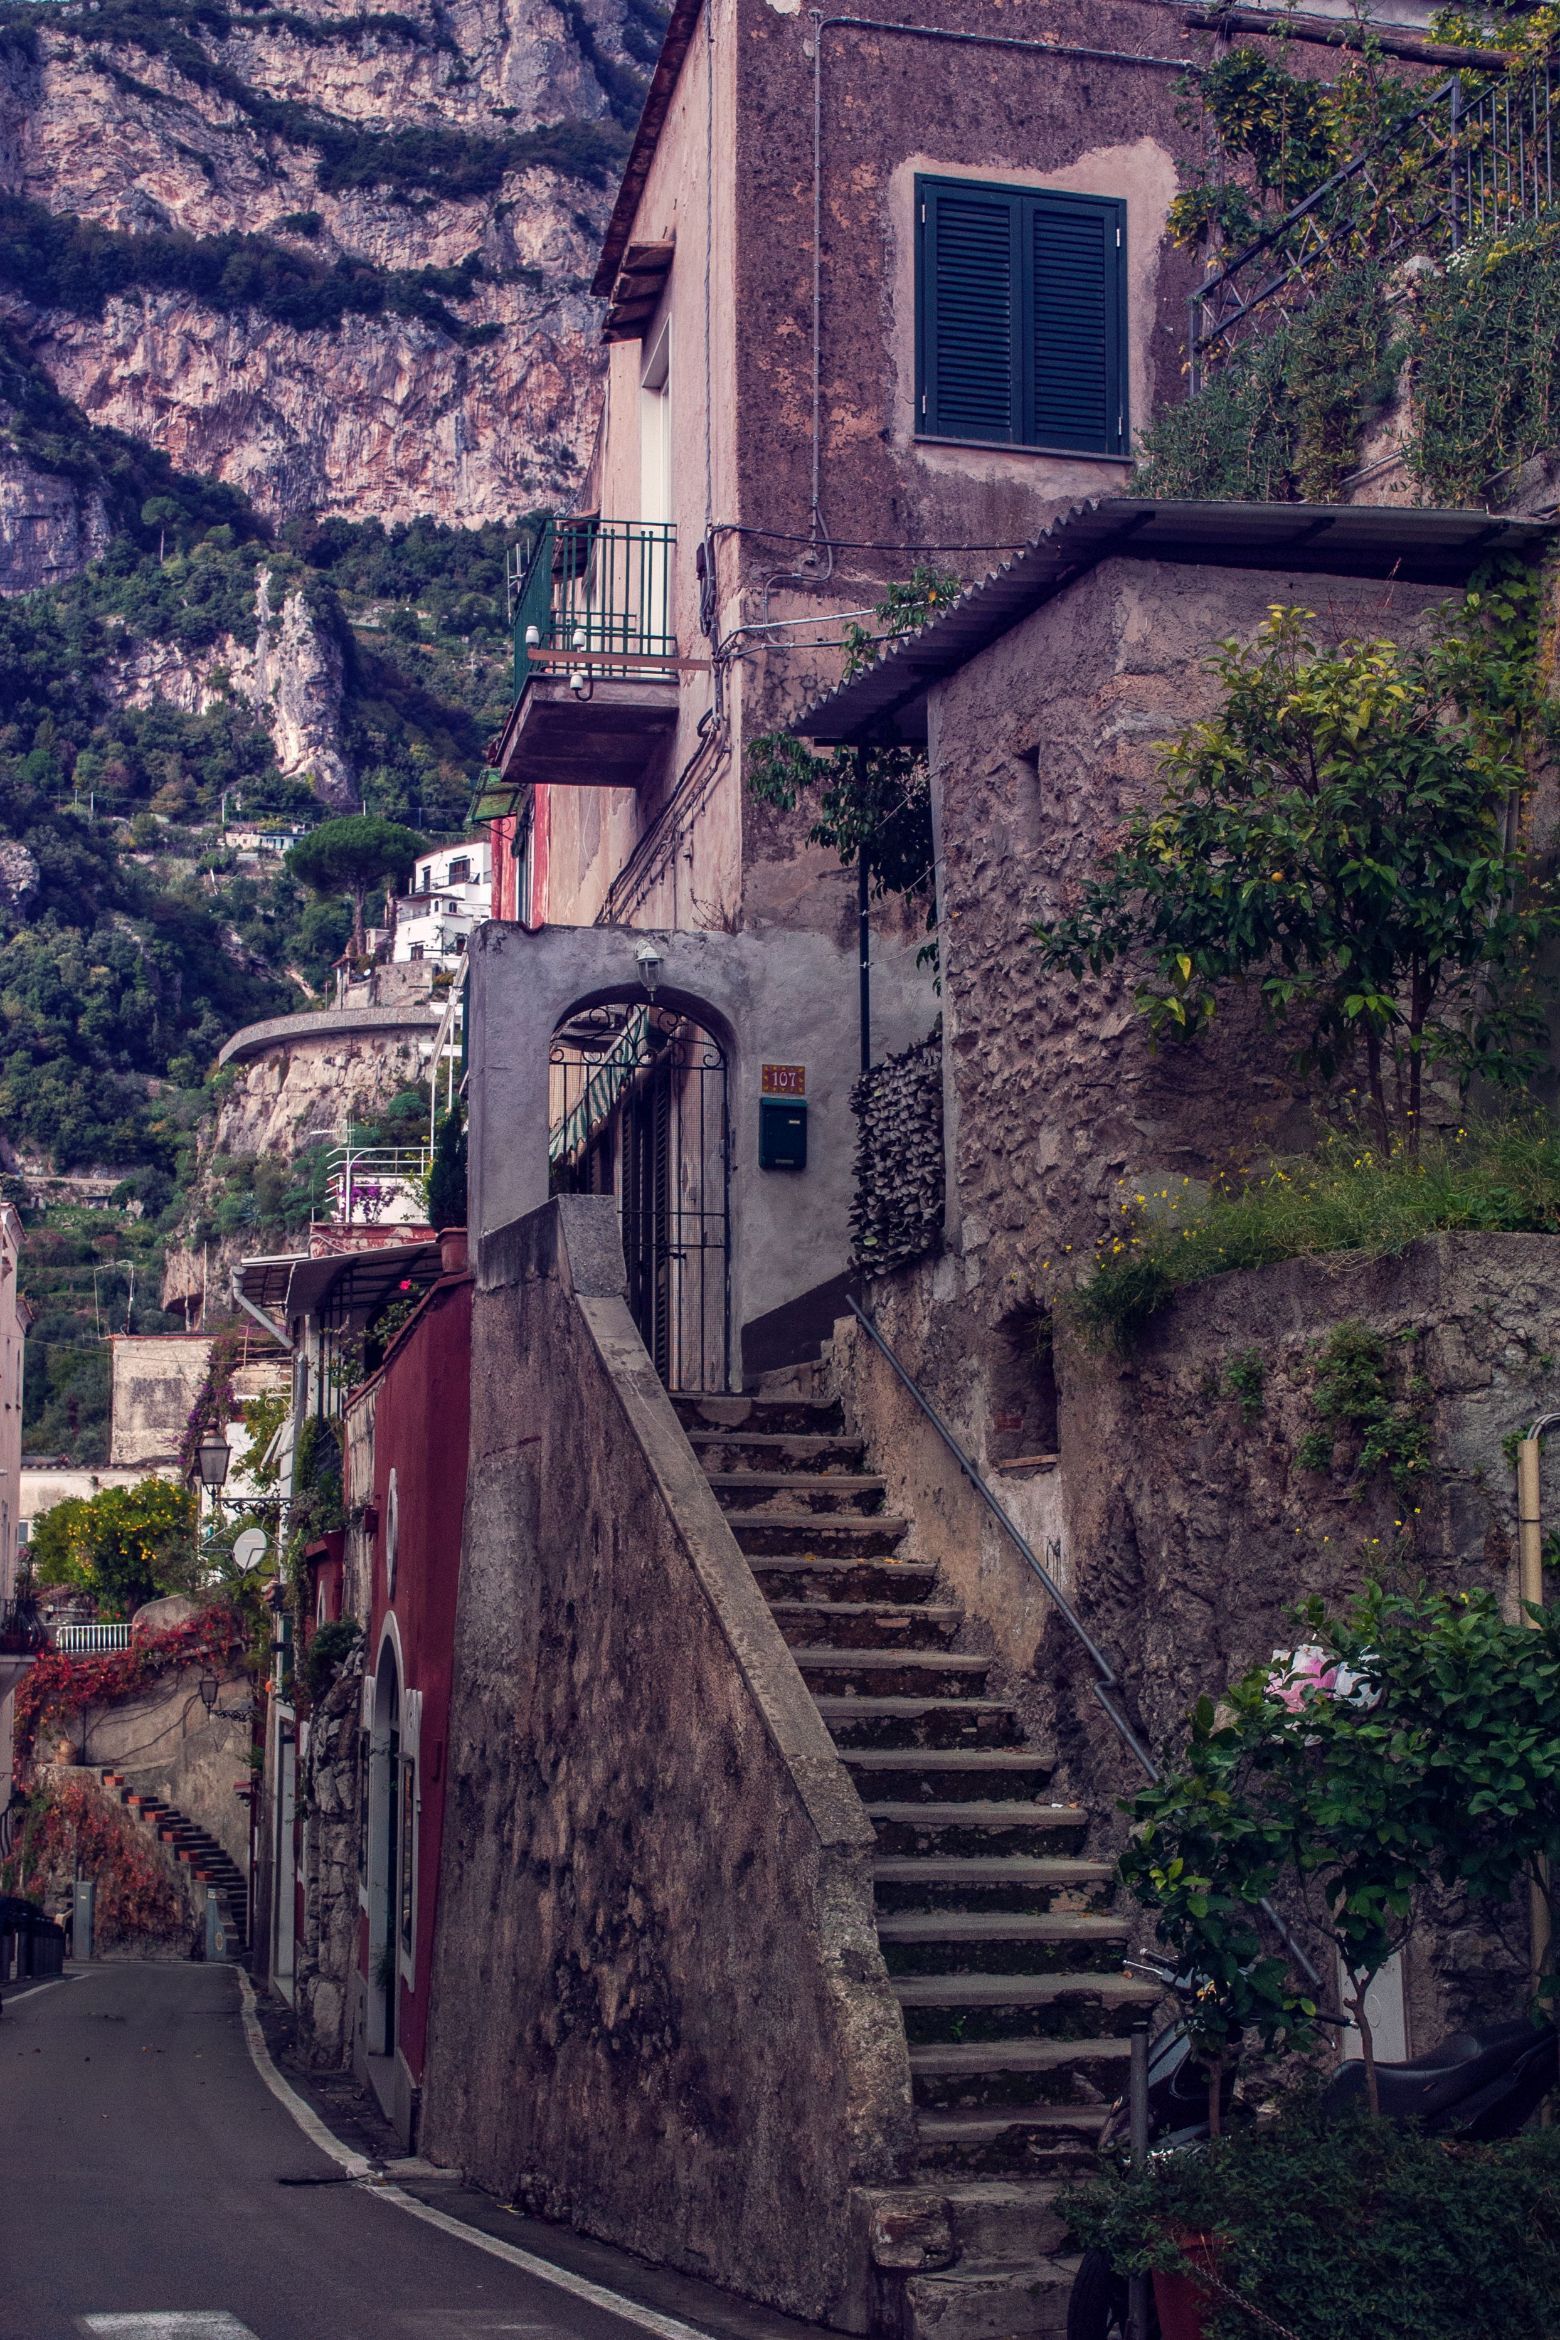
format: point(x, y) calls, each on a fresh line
point(1077, 391)
point(971, 297)
point(1021, 317)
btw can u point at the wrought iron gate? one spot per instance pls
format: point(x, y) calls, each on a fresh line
point(638, 1110)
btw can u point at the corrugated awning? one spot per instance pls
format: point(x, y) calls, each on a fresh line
point(340, 1287)
point(886, 705)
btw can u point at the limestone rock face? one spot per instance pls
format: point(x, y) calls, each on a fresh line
point(18, 875)
point(214, 133)
point(50, 527)
point(291, 675)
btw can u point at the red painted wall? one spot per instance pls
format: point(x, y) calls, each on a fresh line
point(421, 1421)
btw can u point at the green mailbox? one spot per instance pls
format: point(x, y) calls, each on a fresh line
point(782, 1133)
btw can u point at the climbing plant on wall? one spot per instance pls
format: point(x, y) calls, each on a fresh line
point(872, 801)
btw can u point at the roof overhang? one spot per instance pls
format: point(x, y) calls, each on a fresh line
point(339, 1287)
point(886, 704)
point(658, 98)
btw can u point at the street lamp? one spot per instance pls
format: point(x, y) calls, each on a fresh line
point(210, 1692)
point(212, 1457)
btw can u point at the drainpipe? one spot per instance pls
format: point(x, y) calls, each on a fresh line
point(1530, 1558)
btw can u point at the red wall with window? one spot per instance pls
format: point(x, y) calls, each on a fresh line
point(422, 1415)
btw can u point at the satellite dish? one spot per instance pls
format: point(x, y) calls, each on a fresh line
point(249, 1548)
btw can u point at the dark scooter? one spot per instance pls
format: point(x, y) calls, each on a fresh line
point(1478, 2085)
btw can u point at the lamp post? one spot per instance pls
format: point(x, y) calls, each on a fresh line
point(212, 1457)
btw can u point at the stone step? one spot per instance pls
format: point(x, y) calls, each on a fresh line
point(985, 1886)
point(761, 1450)
point(892, 1721)
point(988, 2302)
point(811, 1417)
point(866, 1624)
point(948, 2075)
point(803, 1576)
point(972, 2007)
point(892, 1673)
point(1042, 2139)
point(954, 1941)
point(949, 1775)
point(815, 1494)
point(1009, 2222)
point(980, 1829)
point(818, 1535)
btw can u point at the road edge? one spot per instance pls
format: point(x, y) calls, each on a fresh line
point(366, 2174)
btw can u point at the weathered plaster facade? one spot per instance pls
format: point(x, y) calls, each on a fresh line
point(657, 1884)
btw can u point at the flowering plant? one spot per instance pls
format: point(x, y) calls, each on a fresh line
point(1301, 1676)
point(63, 1682)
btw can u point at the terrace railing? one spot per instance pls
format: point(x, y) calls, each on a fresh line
point(1474, 158)
point(376, 1186)
point(596, 596)
point(89, 1640)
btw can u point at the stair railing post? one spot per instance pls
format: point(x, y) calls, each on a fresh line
point(1137, 2106)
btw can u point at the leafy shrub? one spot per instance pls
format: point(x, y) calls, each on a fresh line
point(1351, 2229)
point(329, 1648)
point(124, 1545)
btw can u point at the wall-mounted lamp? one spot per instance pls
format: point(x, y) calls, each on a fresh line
point(649, 961)
point(533, 637)
point(579, 682)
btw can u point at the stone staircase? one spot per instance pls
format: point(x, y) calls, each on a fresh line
point(194, 1848)
point(1004, 1961)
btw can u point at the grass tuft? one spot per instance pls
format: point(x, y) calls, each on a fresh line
point(1489, 1178)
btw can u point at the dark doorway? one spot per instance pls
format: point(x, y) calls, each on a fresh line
point(639, 1111)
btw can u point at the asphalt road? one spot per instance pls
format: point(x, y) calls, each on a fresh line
point(154, 2190)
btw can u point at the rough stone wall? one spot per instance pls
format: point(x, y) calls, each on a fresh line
point(898, 1211)
point(1194, 1526)
point(329, 1791)
point(1062, 1105)
point(659, 2008)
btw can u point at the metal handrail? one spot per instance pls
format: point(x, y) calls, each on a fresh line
point(1106, 1683)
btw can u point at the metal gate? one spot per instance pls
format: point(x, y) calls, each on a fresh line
point(638, 1110)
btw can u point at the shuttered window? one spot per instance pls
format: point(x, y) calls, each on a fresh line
point(1021, 317)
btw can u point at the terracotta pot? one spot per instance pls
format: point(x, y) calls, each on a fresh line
point(452, 1251)
point(1184, 2305)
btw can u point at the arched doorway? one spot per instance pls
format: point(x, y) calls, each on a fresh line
point(384, 1852)
point(638, 1109)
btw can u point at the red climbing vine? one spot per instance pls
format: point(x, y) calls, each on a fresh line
point(62, 1682)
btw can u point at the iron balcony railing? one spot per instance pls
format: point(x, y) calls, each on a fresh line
point(595, 597)
point(1473, 159)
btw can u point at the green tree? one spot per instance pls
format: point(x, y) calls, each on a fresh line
point(352, 856)
point(447, 1173)
point(875, 802)
point(1339, 834)
point(124, 1545)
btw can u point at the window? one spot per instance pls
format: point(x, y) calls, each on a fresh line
point(417, 950)
point(1021, 317)
point(460, 872)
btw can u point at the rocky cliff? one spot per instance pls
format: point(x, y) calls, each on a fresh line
point(335, 257)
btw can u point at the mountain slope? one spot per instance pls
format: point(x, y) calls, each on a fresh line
point(470, 136)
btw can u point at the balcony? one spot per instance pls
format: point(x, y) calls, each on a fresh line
point(596, 662)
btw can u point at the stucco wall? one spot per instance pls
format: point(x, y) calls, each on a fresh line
point(660, 2011)
point(789, 998)
point(421, 1429)
point(167, 1745)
